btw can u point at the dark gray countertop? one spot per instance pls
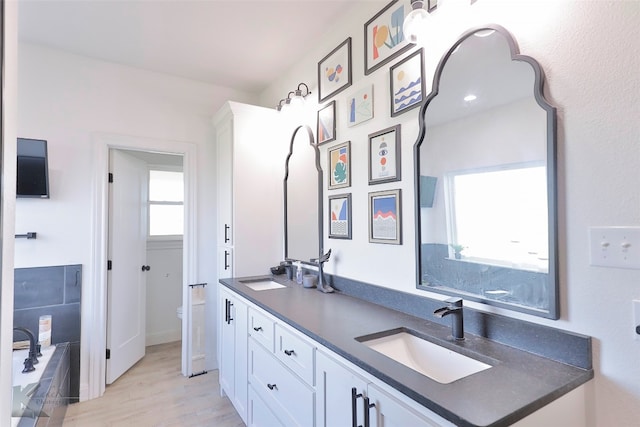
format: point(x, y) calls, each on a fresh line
point(518, 384)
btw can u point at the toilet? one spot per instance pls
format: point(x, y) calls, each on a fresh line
point(179, 312)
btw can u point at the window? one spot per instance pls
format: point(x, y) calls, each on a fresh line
point(166, 203)
point(518, 236)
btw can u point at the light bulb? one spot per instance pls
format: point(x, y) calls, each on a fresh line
point(297, 100)
point(416, 24)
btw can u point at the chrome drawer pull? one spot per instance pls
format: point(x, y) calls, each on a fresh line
point(289, 352)
point(272, 387)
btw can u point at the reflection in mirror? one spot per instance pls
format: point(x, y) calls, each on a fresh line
point(303, 198)
point(485, 178)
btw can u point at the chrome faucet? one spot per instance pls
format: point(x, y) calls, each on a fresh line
point(34, 350)
point(453, 308)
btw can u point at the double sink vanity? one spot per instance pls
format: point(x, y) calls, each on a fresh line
point(368, 355)
point(299, 354)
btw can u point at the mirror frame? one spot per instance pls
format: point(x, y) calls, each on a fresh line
point(553, 311)
point(320, 195)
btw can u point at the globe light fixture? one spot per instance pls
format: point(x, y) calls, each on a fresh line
point(295, 98)
point(416, 22)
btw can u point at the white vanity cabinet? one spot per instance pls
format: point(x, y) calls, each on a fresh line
point(290, 398)
point(232, 330)
point(390, 408)
point(277, 376)
point(281, 370)
point(341, 393)
point(259, 414)
point(348, 397)
point(251, 150)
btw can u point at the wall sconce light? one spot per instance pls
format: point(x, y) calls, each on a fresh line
point(416, 23)
point(281, 104)
point(295, 97)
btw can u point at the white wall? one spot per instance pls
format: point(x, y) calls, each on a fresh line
point(7, 204)
point(588, 50)
point(164, 291)
point(67, 99)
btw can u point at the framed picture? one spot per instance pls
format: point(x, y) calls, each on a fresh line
point(383, 36)
point(340, 216)
point(385, 224)
point(340, 165)
point(334, 71)
point(360, 106)
point(327, 123)
point(407, 83)
point(384, 155)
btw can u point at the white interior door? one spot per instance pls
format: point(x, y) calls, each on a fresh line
point(126, 293)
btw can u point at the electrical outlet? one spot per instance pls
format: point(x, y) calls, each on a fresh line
point(617, 247)
point(636, 319)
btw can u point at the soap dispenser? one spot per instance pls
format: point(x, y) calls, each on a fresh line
point(299, 273)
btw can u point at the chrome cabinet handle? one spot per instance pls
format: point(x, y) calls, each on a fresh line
point(289, 352)
point(272, 387)
point(258, 329)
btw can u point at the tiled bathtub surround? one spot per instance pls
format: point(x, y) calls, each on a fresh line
point(56, 291)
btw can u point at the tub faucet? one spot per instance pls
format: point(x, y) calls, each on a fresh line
point(453, 308)
point(32, 359)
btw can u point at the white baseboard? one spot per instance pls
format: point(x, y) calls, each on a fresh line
point(163, 337)
point(84, 392)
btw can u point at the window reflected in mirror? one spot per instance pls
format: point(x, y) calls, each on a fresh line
point(506, 226)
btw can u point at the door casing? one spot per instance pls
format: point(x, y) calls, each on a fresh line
point(94, 313)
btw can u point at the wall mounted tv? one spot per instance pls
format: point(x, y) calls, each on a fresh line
point(33, 172)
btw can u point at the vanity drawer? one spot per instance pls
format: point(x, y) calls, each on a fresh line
point(281, 390)
point(261, 328)
point(296, 353)
point(259, 413)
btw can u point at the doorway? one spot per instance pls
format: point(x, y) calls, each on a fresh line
point(95, 311)
point(146, 227)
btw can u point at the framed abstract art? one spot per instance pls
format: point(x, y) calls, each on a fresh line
point(334, 71)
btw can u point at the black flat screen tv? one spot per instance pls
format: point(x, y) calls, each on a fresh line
point(33, 171)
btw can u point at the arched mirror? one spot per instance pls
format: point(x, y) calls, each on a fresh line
point(303, 198)
point(486, 178)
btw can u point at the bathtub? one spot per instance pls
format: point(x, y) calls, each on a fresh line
point(32, 391)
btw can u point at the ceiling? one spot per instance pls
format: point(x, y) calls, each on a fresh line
point(240, 44)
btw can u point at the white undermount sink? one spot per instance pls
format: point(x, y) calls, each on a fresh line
point(436, 362)
point(262, 284)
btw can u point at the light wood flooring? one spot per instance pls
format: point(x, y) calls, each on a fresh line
point(154, 393)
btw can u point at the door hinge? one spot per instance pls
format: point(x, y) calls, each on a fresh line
point(109, 265)
point(108, 354)
point(110, 177)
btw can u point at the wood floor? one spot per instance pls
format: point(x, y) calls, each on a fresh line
point(154, 393)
